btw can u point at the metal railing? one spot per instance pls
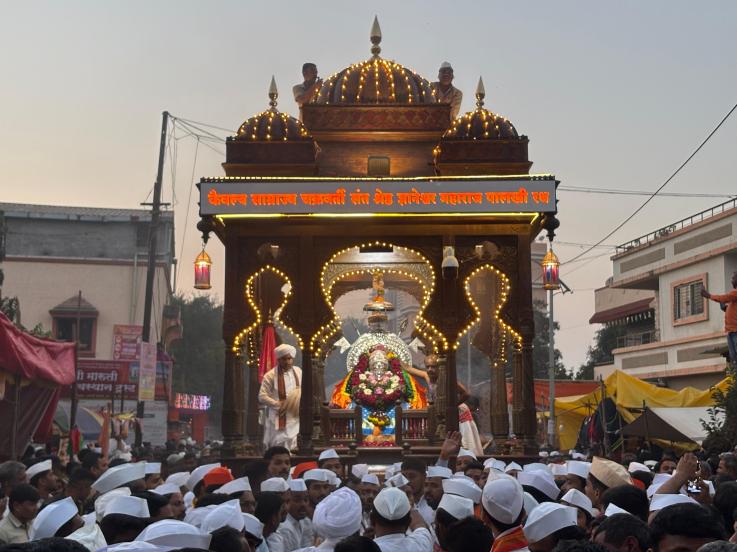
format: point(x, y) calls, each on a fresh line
point(640, 338)
point(666, 230)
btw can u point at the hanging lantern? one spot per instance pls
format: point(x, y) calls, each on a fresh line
point(202, 266)
point(551, 269)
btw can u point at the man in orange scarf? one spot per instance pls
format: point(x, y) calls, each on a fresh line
point(280, 393)
point(503, 511)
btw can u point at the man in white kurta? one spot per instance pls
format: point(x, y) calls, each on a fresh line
point(296, 531)
point(280, 392)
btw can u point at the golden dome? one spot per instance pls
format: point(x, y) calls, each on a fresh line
point(375, 81)
point(480, 124)
point(272, 125)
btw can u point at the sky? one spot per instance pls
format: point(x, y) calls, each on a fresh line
point(611, 95)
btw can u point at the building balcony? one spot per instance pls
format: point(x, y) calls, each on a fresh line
point(639, 338)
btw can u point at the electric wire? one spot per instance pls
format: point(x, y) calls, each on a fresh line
point(189, 199)
point(657, 191)
point(609, 191)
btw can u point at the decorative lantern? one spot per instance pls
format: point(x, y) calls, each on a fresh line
point(202, 266)
point(551, 269)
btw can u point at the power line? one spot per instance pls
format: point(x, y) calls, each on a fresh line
point(663, 185)
point(189, 199)
point(610, 191)
point(206, 125)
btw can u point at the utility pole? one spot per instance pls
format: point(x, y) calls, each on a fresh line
point(551, 372)
point(151, 265)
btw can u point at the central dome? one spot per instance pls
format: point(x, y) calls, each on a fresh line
point(375, 81)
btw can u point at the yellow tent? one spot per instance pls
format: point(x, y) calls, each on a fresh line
point(629, 393)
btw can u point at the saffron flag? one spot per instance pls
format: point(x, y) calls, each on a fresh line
point(267, 360)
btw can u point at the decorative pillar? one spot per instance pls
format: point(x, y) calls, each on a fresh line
point(441, 396)
point(523, 408)
point(499, 406)
point(252, 426)
point(451, 387)
point(234, 392)
point(307, 289)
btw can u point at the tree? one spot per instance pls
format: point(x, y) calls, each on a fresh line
point(199, 357)
point(721, 426)
point(605, 341)
point(541, 346)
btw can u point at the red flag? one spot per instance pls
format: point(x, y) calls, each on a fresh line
point(267, 360)
point(75, 441)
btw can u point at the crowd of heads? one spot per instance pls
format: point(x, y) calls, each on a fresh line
point(562, 502)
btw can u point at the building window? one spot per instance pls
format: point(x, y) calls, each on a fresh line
point(65, 329)
point(688, 305)
point(65, 317)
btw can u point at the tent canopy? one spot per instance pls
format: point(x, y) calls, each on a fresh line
point(630, 395)
point(33, 358)
point(687, 420)
point(651, 426)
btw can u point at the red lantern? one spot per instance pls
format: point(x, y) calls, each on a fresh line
point(202, 266)
point(551, 270)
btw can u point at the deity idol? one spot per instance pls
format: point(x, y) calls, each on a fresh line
point(379, 363)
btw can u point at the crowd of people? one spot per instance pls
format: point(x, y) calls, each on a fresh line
point(459, 503)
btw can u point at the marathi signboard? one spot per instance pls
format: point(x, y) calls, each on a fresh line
point(147, 372)
point(111, 380)
point(389, 196)
point(126, 342)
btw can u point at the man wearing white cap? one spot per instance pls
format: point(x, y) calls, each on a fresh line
point(58, 519)
point(445, 92)
point(41, 476)
point(335, 518)
point(576, 474)
point(241, 489)
point(391, 517)
point(280, 393)
point(329, 460)
point(153, 475)
point(550, 523)
point(451, 509)
point(367, 490)
point(503, 511)
point(464, 458)
point(296, 531)
point(582, 503)
point(434, 484)
point(318, 485)
point(174, 534)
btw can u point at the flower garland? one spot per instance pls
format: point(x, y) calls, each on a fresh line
point(378, 392)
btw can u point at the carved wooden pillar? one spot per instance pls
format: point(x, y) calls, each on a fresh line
point(441, 397)
point(307, 290)
point(451, 386)
point(499, 406)
point(253, 434)
point(523, 409)
point(233, 416)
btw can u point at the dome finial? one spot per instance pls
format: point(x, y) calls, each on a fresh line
point(375, 37)
point(273, 92)
point(480, 93)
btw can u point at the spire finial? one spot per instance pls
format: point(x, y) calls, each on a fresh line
point(375, 37)
point(480, 93)
point(273, 92)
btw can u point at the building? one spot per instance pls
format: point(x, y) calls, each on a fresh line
point(377, 177)
point(89, 264)
point(668, 333)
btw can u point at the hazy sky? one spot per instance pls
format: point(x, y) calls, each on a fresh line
point(612, 95)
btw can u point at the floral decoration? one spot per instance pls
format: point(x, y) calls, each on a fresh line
point(379, 392)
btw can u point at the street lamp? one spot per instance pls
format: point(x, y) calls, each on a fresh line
point(551, 282)
point(202, 265)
